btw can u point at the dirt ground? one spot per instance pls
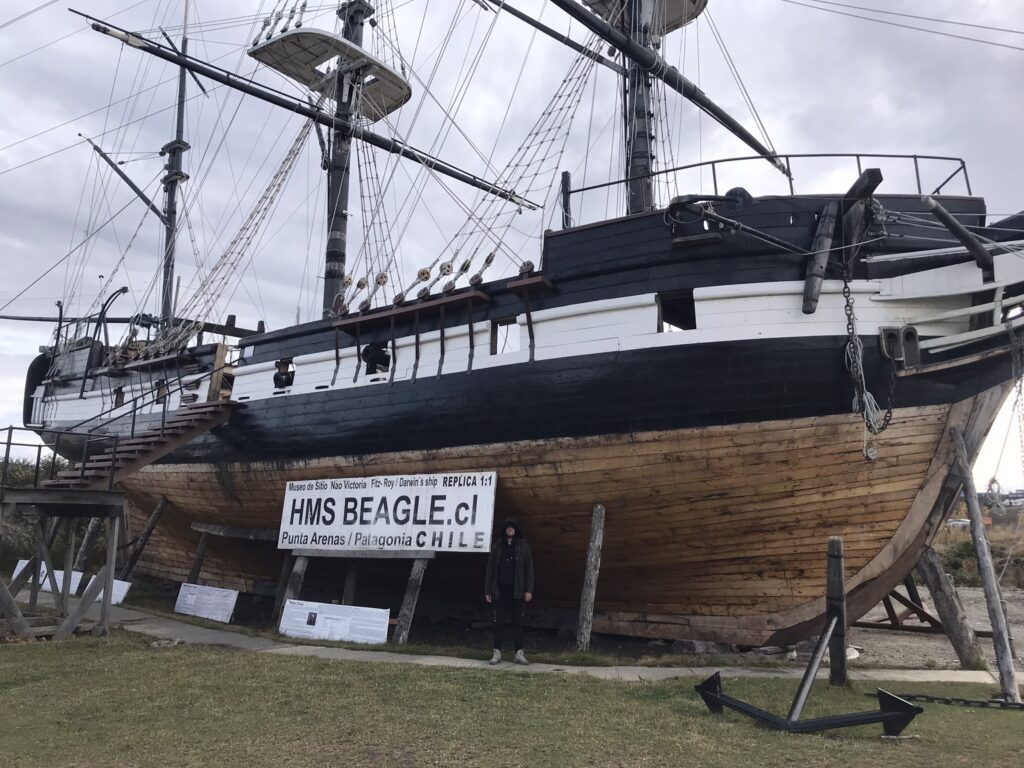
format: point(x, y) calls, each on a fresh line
point(880, 648)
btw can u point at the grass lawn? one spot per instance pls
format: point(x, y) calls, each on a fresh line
point(121, 701)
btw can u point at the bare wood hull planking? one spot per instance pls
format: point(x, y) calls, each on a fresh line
point(714, 533)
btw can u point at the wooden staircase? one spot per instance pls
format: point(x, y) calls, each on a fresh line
point(130, 454)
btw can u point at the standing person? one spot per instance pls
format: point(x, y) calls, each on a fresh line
point(509, 586)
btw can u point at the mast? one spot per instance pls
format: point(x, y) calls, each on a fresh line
point(352, 14)
point(639, 116)
point(175, 176)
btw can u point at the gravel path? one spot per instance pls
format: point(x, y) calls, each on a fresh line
point(912, 650)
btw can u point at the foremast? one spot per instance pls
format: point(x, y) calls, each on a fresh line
point(348, 84)
point(638, 131)
point(175, 175)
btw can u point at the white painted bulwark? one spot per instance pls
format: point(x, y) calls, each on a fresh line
point(326, 621)
point(206, 602)
point(450, 512)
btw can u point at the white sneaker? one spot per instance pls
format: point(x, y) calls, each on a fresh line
point(495, 657)
point(521, 658)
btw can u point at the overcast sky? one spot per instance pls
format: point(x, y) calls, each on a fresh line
point(821, 82)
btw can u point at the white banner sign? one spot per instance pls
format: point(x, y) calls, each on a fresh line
point(326, 621)
point(206, 602)
point(446, 513)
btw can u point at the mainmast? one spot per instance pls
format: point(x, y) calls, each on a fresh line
point(346, 109)
point(639, 116)
point(175, 176)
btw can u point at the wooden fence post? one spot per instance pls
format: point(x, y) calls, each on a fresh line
point(987, 571)
point(585, 624)
point(951, 611)
point(835, 602)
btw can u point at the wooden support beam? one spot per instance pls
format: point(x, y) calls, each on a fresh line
point(77, 613)
point(113, 526)
point(232, 532)
point(585, 623)
point(951, 611)
point(18, 582)
point(412, 595)
point(987, 571)
point(282, 583)
point(140, 543)
point(12, 613)
point(44, 556)
point(835, 600)
point(85, 550)
point(33, 595)
point(69, 560)
point(197, 561)
point(296, 578)
point(348, 596)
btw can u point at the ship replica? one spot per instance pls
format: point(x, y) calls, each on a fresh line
point(736, 378)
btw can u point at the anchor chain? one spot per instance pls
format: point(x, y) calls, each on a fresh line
point(960, 701)
point(875, 422)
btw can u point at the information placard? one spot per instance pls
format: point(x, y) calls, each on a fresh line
point(118, 593)
point(206, 602)
point(326, 621)
point(44, 580)
point(450, 512)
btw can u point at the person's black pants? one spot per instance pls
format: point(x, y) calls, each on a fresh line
point(505, 605)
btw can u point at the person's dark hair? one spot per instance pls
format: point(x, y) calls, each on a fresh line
point(511, 522)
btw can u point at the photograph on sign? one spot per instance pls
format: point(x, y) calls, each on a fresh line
point(450, 512)
point(206, 602)
point(327, 621)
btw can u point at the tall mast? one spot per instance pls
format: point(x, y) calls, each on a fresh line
point(352, 14)
point(175, 176)
point(638, 114)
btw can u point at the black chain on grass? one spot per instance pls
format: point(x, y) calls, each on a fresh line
point(959, 701)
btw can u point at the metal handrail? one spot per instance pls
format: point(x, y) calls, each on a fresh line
point(858, 156)
point(138, 405)
point(51, 474)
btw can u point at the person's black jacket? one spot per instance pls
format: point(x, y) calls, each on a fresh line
point(524, 565)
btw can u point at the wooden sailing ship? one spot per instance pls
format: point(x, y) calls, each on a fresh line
point(691, 367)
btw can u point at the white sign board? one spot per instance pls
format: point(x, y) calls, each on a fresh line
point(118, 593)
point(326, 621)
point(450, 512)
point(206, 602)
point(44, 580)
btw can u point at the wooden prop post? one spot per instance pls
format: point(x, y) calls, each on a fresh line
point(987, 571)
point(585, 623)
point(197, 560)
point(835, 605)
point(412, 594)
point(143, 539)
point(82, 560)
point(298, 574)
point(951, 611)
